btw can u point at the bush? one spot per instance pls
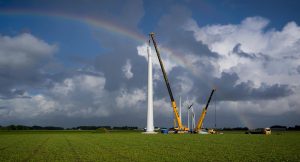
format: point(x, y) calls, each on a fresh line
point(101, 130)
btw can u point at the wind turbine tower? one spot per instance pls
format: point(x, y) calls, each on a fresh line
point(150, 125)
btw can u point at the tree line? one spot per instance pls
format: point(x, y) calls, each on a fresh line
point(274, 127)
point(24, 127)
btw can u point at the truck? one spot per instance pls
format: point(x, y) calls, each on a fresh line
point(266, 131)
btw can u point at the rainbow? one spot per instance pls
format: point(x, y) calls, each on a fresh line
point(117, 29)
point(108, 26)
point(245, 120)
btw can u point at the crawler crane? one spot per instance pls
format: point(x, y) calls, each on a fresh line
point(203, 114)
point(180, 128)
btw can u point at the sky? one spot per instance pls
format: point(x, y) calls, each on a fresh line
point(84, 62)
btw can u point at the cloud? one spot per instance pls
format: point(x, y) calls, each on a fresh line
point(169, 64)
point(255, 69)
point(34, 106)
point(271, 55)
point(75, 96)
point(82, 95)
point(172, 34)
point(229, 89)
point(119, 48)
point(89, 90)
point(127, 69)
point(22, 58)
point(23, 51)
point(244, 61)
point(130, 98)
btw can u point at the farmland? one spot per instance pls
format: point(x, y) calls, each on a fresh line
point(133, 146)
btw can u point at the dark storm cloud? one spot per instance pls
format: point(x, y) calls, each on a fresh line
point(75, 103)
point(119, 49)
point(229, 85)
point(3, 107)
point(125, 13)
point(259, 57)
point(171, 31)
point(237, 50)
point(58, 79)
point(21, 62)
point(228, 89)
point(14, 93)
point(120, 118)
point(298, 69)
point(111, 63)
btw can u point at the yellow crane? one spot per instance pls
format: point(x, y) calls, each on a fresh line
point(203, 114)
point(180, 128)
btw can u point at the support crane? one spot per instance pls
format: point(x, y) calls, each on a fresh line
point(180, 128)
point(203, 114)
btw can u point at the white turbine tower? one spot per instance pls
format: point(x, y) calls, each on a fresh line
point(193, 118)
point(150, 125)
point(188, 111)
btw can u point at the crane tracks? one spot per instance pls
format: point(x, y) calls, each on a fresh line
point(4, 148)
point(10, 145)
point(74, 152)
point(109, 150)
point(37, 149)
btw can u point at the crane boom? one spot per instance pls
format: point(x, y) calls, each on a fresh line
point(200, 121)
point(167, 84)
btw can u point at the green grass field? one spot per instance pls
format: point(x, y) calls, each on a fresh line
point(126, 146)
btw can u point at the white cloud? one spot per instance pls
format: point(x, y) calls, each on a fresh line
point(162, 106)
point(127, 69)
point(255, 54)
point(29, 107)
point(130, 98)
point(81, 95)
point(275, 60)
point(223, 38)
point(23, 50)
point(90, 83)
point(185, 84)
point(22, 60)
point(169, 64)
point(276, 53)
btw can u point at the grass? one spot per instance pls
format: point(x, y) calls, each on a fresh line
point(124, 146)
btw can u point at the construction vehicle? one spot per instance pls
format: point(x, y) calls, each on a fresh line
point(180, 128)
point(198, 128)
point(266, 131)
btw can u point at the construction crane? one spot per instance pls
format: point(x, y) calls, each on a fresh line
point(203, 114)
point(180, 128)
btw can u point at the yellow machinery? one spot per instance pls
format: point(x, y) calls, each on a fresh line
point(203, 114)
point(180, 128)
